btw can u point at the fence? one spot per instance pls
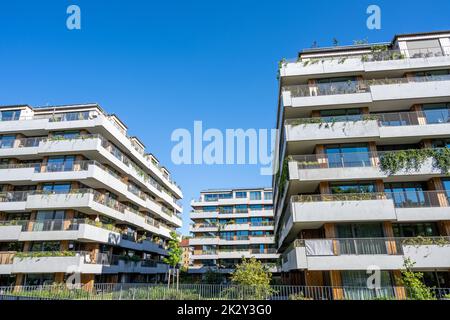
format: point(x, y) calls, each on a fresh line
point(202, 292)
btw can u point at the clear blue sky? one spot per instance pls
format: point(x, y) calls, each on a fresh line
point(160, 65)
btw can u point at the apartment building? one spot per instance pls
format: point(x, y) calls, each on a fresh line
point(186, 260)
point(364, 159)
point(80, 197)
point(229, 225)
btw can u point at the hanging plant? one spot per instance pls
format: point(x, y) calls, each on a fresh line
point(393, 162)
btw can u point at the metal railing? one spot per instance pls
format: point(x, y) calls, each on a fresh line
point(397, 119)
point(146, 291)
point(354, 86)
point(405, 199)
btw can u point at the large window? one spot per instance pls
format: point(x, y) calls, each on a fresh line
point(446, 183)
point(255, 195)
point(408, 194)
point(241, 194)
point(355, 285)
point(352, 187)
point(268, 195)
point(7, 141)
point(217, 196)
point(10, 115)
point(432, 75)
point(66, 134)
point(45, 246)
point(348, 155)
point(424, 48)
point(424, 229)
point(342, 114)
point(56, 187)
point(62, 163)
point(49, 220)
point(338, 85)
point(437, 113)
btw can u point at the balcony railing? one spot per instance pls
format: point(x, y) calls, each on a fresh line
point(354, 86)
point(365, 246)
point(83, 115)
point(34, 142)
point(414, 118)
point(345, 159)
point(405, 199)
point(382, 54)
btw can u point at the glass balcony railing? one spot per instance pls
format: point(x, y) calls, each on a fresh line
point(404, 199)
point(354, 86)
point(366, 246)
point(383, 119)
point(381, 53)
point(347, 159)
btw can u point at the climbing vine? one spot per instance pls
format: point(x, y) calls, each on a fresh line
point(392, 162)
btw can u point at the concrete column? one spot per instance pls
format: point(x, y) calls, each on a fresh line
point(374, 159)
point(312, 87)
point(321, 157)
point(336, 283)
point(440, 197)
point(389, 233)
point(399, 290)
point(418, 117)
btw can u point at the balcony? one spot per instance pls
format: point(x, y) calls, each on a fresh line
point(93, 144)
point(312, 211)
point(368, 60)
point(361, 253)
point(406, 127)
point(75, 229)
point(94, 121)
point(353, 93)
point(310, 170)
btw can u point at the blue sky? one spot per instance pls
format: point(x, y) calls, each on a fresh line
point(160, 65)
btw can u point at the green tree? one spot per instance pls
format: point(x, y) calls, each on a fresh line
point(413, 283)
point(174, 253)
point(252, 279)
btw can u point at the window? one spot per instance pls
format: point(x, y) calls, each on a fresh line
point(66, 134)
point(255, 195)
point(56, 187)
point(355, 285)
point(356, 187)
point(437, 113)
point(407, 194)
point(210, 209)
point(342, 114)
point(268, 207)
point(226, 209)
point(63, 163)
point(348, 155)
point(241, 208)
point(45, 246)
point(432, 75)
point(268, 195)
point(427, 229)
point(256, 207)
point(10, 115)
point(7, 141)
point(424, 48)
point(217, 196)
point(241, 194)
point(446, 183)
point(49, 220)
point(444, 143)
point(338, 85)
